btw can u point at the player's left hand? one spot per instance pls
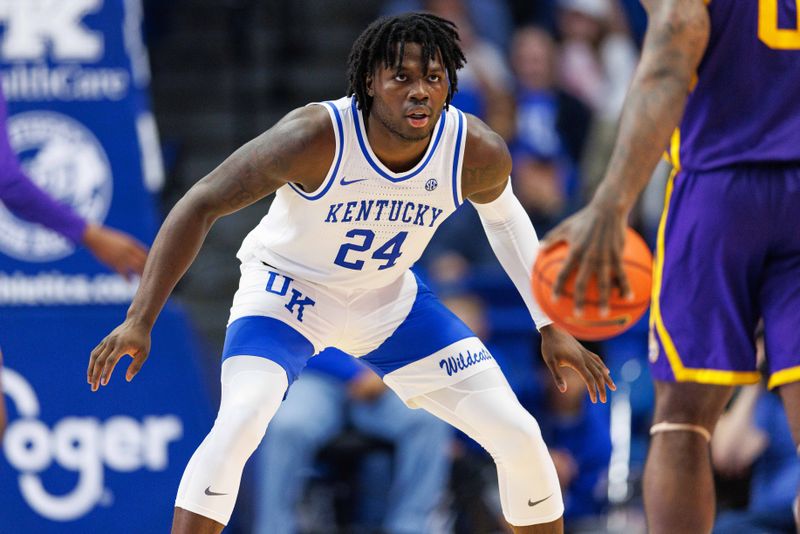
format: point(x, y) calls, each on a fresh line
point(559, 349)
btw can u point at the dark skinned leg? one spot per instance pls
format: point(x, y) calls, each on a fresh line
point(186, 522)
point(678, 481)
point(553, 527)
point(790, 394)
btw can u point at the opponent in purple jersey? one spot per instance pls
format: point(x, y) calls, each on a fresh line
point(728, 248)
point(118, 251)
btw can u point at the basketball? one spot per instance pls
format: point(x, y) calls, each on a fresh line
point(592, 326)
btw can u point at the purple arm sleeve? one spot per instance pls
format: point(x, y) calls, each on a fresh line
point(25, 200)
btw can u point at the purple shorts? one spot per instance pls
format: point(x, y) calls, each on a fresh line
point(727, 255)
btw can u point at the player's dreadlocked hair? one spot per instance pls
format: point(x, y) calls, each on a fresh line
point(378, 43)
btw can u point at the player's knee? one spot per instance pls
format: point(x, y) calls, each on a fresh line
point(519, 441)
point(244, 423)
point(697, 404)
point(526, 439)
point(240, 431)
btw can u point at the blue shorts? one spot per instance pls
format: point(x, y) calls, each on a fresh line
point(402, 331)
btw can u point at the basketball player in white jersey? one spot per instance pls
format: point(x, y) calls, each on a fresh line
point(362, 184)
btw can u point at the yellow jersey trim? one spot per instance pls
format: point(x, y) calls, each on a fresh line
point(784, 376)
point(675, 150)
point(682, 373)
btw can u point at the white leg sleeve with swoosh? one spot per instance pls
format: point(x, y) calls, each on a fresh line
point(252, 391)
point(514, 242)
point(484, 407)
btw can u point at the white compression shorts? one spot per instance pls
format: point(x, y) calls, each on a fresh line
point(482, 406)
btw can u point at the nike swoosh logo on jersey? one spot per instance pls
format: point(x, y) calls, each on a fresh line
point(213, 493)
point(534, 503)
point(345, 181)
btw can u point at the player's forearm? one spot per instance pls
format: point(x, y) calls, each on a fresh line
point(674, 46)
point(514, 242)
point(175, 247)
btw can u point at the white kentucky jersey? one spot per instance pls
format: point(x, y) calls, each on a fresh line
point(365, 225)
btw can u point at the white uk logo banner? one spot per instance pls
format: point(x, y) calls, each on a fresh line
point(32, 27)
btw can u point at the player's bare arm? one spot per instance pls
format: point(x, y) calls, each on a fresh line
point(255, 170)
point(484, 177)
point(676, 39)
point(487, 163)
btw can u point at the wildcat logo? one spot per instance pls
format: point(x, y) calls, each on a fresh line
point(459, 362)
point(65, 159)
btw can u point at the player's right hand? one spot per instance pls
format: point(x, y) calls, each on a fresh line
point(595, 237)
point(116, 250)
point(130, 338)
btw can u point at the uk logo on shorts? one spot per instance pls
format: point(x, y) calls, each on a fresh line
point(65, 159)
point(281, 287)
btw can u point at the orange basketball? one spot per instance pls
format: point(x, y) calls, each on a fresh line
point(591, 326)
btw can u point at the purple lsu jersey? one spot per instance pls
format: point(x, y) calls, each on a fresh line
point(745, 106)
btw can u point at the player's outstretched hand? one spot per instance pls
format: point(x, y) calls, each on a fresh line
point(117, 250)
point(128, 338)
point(595, 237)
point(559, 349)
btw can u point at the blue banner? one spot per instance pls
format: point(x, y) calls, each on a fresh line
point(110, 461)
point(76, 75)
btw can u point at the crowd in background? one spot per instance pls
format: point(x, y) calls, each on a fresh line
point(550, 76)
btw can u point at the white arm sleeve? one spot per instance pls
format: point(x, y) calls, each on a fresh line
point(515, 244)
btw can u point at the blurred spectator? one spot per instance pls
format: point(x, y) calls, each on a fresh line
point(598, 55)
point(485, 83)
point(334, 390)
point(753, 435)
point(551, 131)
point(493, 19)
point(118, 251)
point(597, 63)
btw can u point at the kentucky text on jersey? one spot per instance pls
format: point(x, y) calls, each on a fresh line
point(389, 210)
point(454, 364)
